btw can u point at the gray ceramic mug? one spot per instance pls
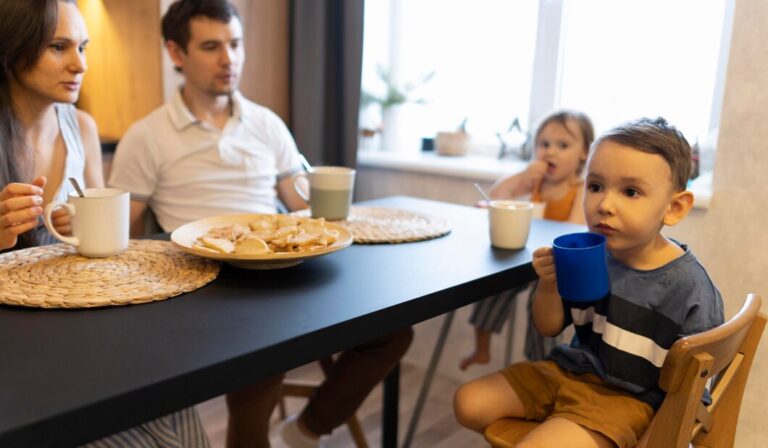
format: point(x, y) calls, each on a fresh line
point(330, 191)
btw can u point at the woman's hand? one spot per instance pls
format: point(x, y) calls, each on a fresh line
point(62, 221)
point(20, 206)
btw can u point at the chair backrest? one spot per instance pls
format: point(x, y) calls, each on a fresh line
point(151, 226)
point(723, 355)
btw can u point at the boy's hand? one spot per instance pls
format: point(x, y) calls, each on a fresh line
point(548, 312)
point(544, 265)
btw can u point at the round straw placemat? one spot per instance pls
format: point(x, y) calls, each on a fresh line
point(56, 276)
point(371, 225)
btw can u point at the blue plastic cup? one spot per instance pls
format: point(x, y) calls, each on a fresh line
point(582, 270)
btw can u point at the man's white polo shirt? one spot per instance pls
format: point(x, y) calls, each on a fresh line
point(186, 169)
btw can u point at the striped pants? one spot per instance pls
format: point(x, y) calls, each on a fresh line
point(490, 314)
point(181, 429)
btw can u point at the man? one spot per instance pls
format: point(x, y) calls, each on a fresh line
point(210, 151)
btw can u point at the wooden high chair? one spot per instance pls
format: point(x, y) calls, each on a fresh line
point(725, 353)
point(305, 389)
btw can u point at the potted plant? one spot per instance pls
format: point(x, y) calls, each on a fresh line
point(394, 96)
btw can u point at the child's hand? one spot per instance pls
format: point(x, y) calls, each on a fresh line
point(20, 205)
point(535, 172)
point(544, 265)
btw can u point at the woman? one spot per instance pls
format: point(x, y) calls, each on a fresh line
point(44, 141)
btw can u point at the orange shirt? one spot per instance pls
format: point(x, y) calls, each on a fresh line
point(558, 210)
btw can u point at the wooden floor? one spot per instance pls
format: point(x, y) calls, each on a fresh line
point(437, 427)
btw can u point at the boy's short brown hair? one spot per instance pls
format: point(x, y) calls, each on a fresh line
point(656, 136)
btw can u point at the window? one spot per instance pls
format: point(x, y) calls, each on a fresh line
point(622, 60)
point(481, 54)
point(494, 60)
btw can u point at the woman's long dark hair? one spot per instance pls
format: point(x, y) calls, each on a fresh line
point(26, 29)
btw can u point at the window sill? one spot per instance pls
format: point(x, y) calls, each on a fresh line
point(484, 168)
point(701, 187)
point(474, 167)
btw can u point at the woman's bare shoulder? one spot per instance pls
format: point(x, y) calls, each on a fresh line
point(86, 121)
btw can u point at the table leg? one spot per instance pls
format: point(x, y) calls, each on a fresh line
point(510, 332)
point(390, 407)
point(428, 376)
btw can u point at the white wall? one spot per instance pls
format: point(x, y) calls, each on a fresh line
point(729, 237)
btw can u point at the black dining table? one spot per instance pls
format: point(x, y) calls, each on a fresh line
point(72, 376)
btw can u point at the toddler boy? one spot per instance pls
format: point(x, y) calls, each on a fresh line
point(602, 390)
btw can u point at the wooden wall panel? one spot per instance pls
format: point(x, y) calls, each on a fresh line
point(124, 78)
point(265, 78)
point(266, 75)
point(126, 74)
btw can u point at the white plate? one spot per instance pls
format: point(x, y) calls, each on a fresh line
point(185, 236)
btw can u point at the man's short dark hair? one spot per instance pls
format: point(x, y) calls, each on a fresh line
point(175, 25)
point(656, 136)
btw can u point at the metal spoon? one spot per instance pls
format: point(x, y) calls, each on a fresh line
point(74, 183)
point(482, 192)
point(305, 163)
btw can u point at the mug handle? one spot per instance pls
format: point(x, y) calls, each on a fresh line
point(49, 225)
point(296, 187)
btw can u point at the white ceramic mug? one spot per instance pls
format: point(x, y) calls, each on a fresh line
point(538, 209)
point(100, 221)
point(330, 191)
point(509, 223)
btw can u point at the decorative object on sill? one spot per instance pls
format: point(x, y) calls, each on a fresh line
point(515, 142)
point(695, 158)
point(427, 144)
point(391, 139)
point(394, 97)
point(369, 138)
point(453, 143)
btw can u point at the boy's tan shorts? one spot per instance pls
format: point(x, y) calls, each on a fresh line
point(548, 391)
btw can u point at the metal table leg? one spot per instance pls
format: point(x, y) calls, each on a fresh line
point(427, 381)
point(390, 407)
point(510, 332)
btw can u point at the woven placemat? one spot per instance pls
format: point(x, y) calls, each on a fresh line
point(56, 276)
point(371, 225)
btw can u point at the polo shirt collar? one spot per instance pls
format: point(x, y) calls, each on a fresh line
point(237, 106)
point(181, 116)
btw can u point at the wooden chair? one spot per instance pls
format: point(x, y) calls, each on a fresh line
point(725, 353)
point(305, 389)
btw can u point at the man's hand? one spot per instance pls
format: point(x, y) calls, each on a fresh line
point(20, 206)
